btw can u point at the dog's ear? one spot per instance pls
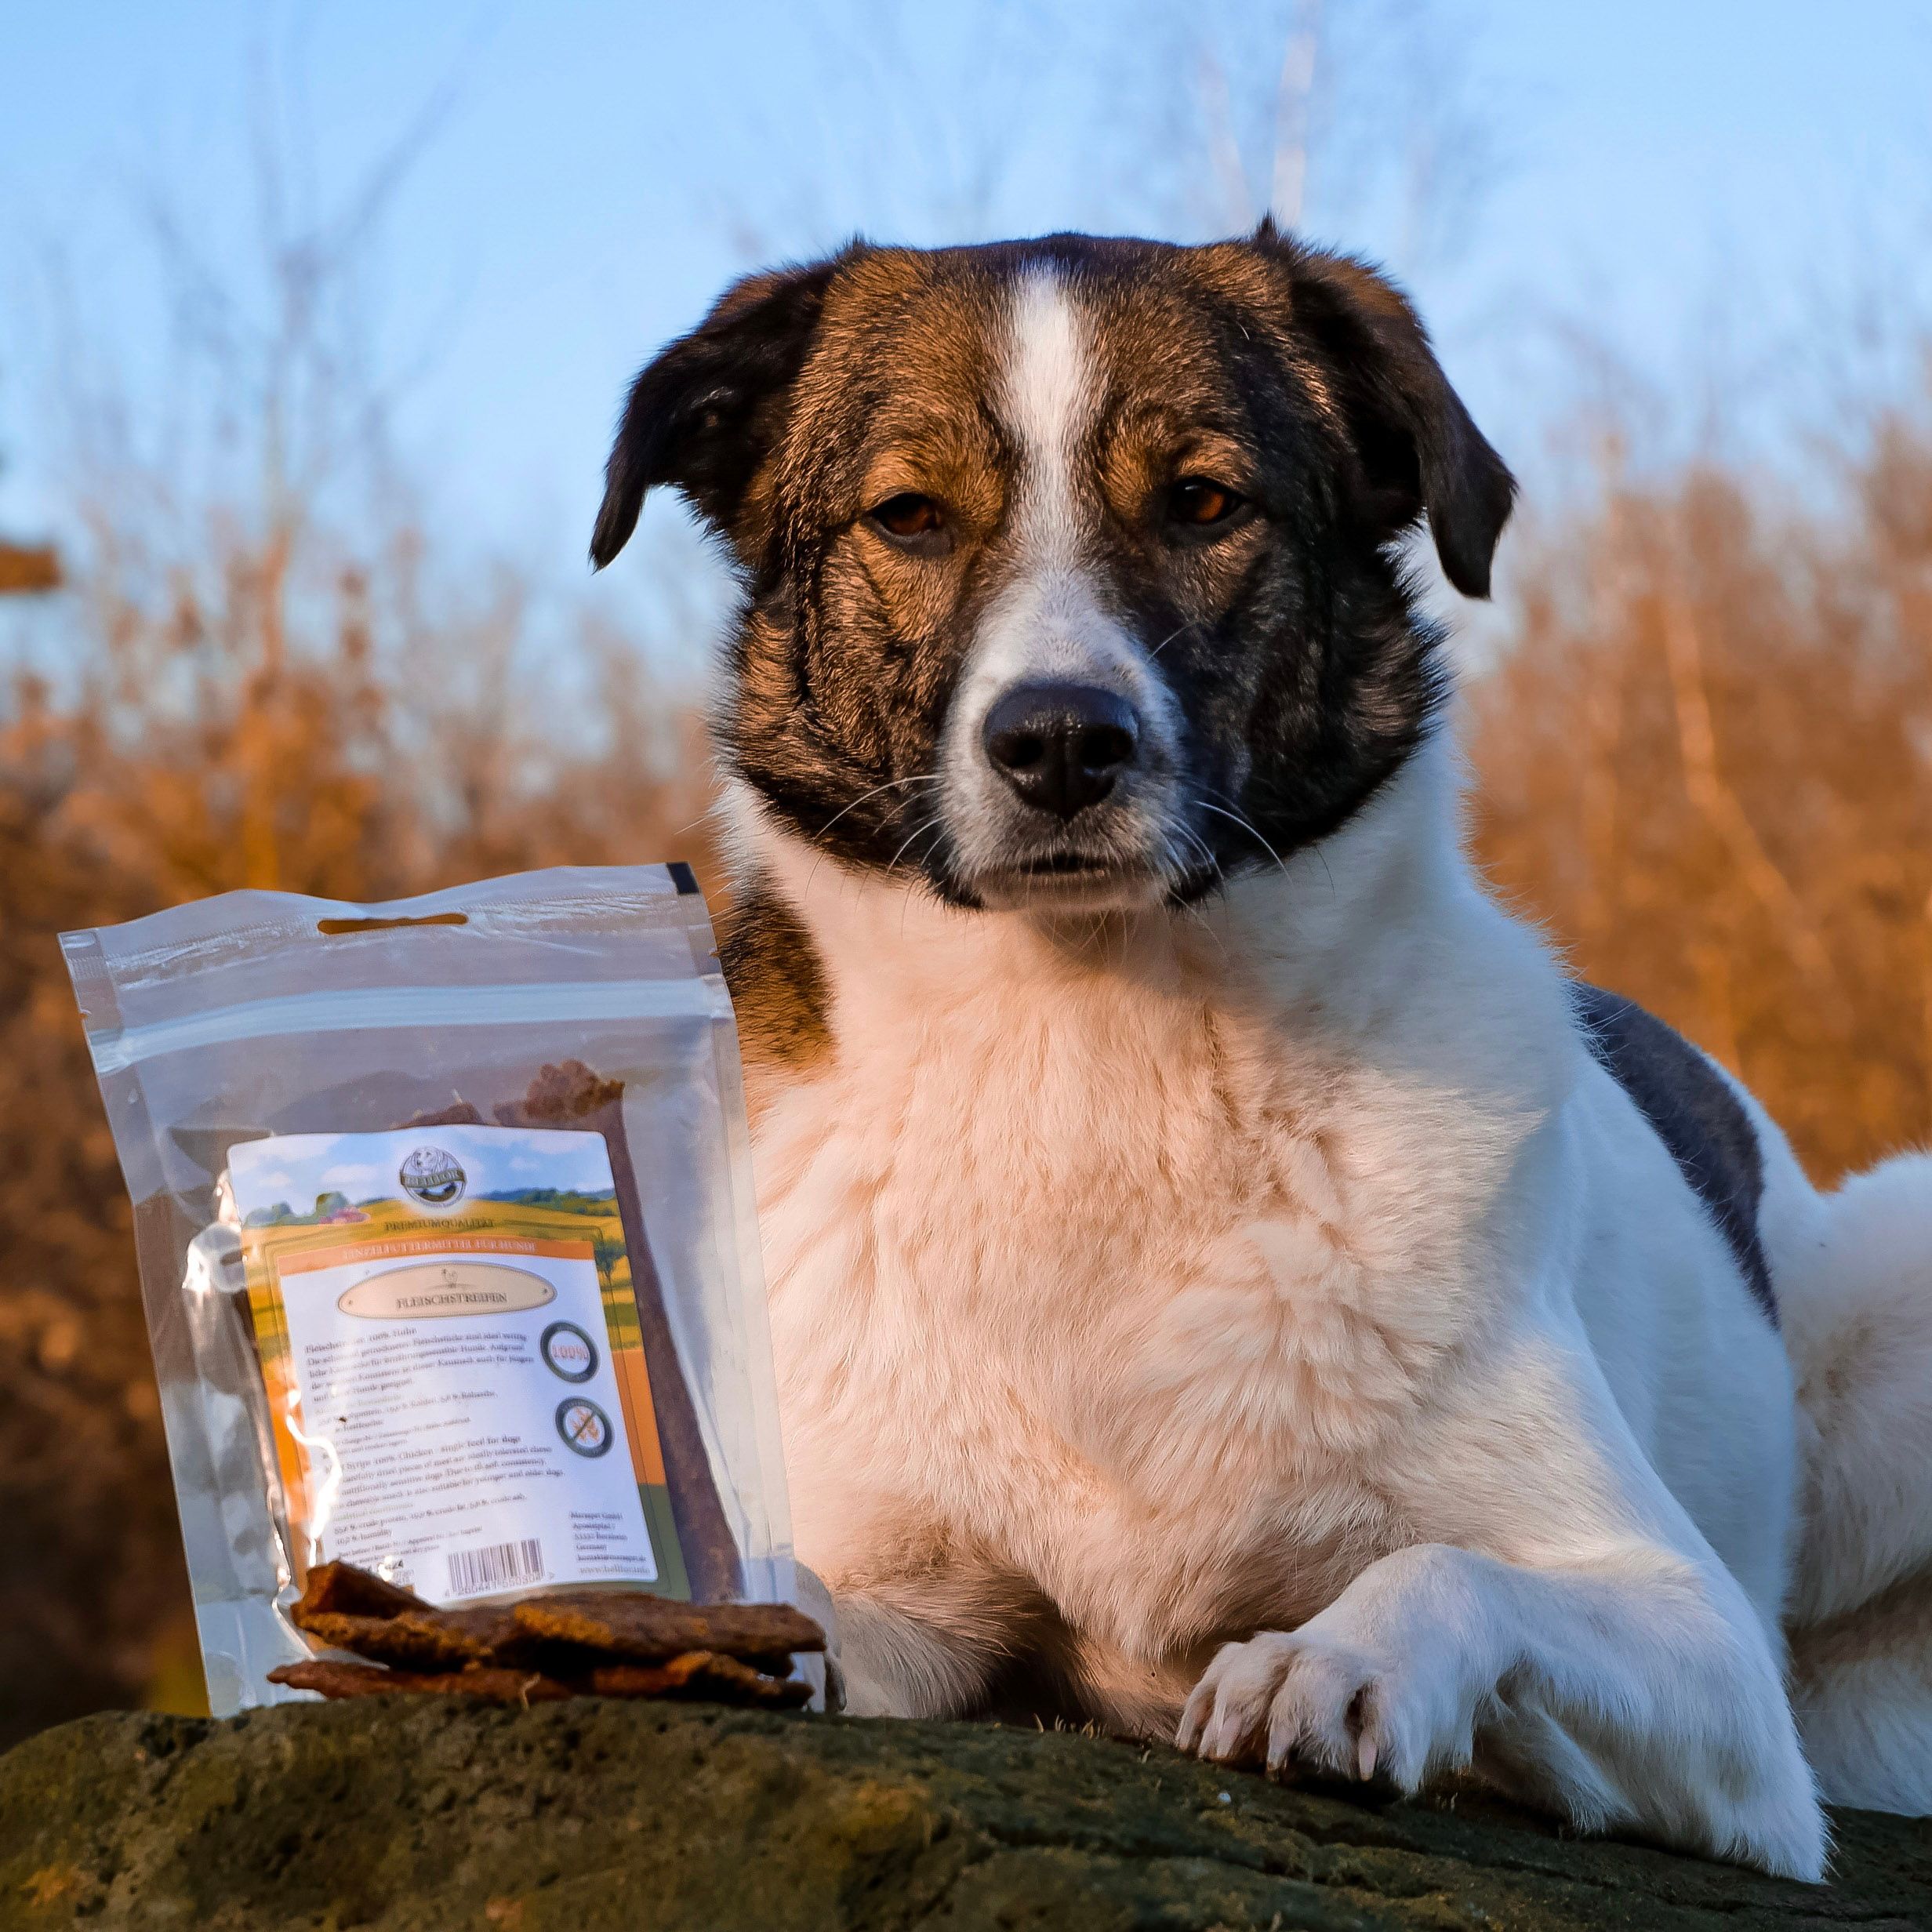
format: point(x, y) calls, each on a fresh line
point(1419, 448)
point(705, 412)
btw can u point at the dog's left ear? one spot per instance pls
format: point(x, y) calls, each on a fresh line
point(705, 412)
point(1418, 448)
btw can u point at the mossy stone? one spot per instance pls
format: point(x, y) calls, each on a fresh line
point(407, 1816)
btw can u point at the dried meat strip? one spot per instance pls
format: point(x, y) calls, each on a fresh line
point(741, 1652)
point(335, 1679)
point(702, 1674)
point(341, 1589)
point(643, 1628)
point(417, 1639)
point(698, 1674)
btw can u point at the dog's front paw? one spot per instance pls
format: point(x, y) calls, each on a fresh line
point(1303, 1697)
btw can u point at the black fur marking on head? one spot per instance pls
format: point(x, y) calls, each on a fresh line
point(1419, 449)
point(1694, 1113)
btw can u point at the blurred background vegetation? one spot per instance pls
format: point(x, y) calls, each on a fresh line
point(1699, 724)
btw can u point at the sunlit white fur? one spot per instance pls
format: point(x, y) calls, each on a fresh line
point(1296, 1258)
point(1289, 1266)
point(1048, 394)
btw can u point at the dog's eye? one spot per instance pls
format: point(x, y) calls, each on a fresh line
point(908, 514)
point(1200, 500)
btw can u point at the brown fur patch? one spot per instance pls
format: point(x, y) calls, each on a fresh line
point(777, 988)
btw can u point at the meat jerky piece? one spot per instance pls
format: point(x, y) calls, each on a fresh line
point(341, 1589)
point(701, 1674)
point(416, 1639)
point(569, 1090)
point(370, 1680)
point(569, 1095)
point(642, 1629)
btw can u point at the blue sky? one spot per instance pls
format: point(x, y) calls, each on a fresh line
point(1705, 193)
point(296, 1167)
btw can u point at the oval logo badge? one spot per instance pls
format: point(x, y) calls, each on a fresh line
point(432, 1177)
point(426, 1290)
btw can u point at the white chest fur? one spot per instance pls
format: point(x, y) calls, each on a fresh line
point(1107, 1264)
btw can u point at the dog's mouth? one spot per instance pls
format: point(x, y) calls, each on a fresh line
point(1071, 882)
point(1068, 865)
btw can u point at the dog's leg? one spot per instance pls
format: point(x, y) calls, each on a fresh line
point(928, 1645)
point(892, 1663)
point(1579, 1631)
point(1862, 1687)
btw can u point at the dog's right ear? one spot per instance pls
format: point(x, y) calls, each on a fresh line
point(705, 412)
point(1419, 448)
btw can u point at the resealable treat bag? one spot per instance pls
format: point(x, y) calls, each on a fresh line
point(447, 1241)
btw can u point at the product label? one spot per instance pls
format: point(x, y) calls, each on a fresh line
point(458, 1388)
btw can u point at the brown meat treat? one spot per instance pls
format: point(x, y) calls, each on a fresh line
point(369, 1680)
point(425, 1640)
point(643, 1629)
point(644, 1680)
point(569, 1091)
point(701, 1674)
point(341, 1589)
point(569, 1095)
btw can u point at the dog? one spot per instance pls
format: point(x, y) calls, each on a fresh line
point(1227, 1282)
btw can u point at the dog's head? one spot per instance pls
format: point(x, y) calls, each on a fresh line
point(1068, 562)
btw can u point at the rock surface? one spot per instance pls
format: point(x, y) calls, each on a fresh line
point(589, 1815)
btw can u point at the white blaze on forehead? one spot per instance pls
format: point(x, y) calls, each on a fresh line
point(1053, 620)
point(1047, 398)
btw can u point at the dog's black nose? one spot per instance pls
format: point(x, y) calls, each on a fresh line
point(1060, 747)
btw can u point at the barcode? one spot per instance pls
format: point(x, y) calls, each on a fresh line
point(472, 1572)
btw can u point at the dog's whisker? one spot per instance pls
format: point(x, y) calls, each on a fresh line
point(1247, 826)
point(1277, 858)
point(1207, 851)
point(1179, 630)
point(936, 824)
point(716, 809)
point(891, 784)
point(929, 825)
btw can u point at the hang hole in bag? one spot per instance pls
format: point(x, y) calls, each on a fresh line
point(329, 927)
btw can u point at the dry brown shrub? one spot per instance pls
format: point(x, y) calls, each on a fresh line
point(1705, 764)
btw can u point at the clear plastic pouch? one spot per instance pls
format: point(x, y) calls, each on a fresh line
point(447, 1242)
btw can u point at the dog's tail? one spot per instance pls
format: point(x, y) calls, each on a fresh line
point(1854, 1291)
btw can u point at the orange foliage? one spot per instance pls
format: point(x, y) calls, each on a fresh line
point(1705, 764)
